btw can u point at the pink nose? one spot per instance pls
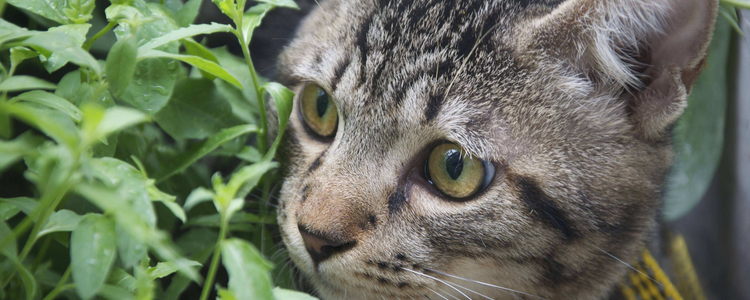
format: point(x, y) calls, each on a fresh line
point(321, 247)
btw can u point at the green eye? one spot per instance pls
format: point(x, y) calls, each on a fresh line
point(319, 111)
point(455, 173)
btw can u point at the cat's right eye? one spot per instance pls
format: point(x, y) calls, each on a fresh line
point(318, 110)
point(455, 173)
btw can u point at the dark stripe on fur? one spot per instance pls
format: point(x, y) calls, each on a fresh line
point(542, 206)
point(316, 164)
point(339, 72)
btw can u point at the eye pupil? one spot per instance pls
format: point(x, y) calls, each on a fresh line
point(322, 103)
point(454, 165)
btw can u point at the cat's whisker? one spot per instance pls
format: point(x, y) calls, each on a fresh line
point(436, 293)
point(629, 266)
point(485, 284)
point(437, 279)
point(418, 292)
point(454, 297)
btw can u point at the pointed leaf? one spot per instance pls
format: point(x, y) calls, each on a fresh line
point(252, 19)
point(65, 47)
point(198, 196)
point(197, 151)
point(120, 65)
point(203, 64)
point(164, 269)
point(25, 83)
point(27, 205)
point(27, 278)
point(187, 13)
point(50, 9)
point(77, 32)
point(52, 101)
point(92, 253)
point(62, 220)
point(119, 118)
point(247, 178)
point(183, 33)
point(195, 49)
point(283, 98)
point(249, 272)
point(11, 249)
point(281, 3)
point(283, 294)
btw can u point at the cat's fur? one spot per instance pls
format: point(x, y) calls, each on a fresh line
point(572, 101)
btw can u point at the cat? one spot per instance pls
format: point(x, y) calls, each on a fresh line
point(465, 149)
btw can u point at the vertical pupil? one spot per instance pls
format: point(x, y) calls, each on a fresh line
point(322, 103)
point(453, 163)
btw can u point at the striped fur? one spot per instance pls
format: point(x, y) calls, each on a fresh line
point(571, 100)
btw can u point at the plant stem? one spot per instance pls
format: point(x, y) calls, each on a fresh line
point(90, 42)
point(42, 252)
point(262, 140)
point(61, 286)
point(215, 260)
point(2, 8)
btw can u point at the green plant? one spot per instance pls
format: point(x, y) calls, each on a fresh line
point(114, 147)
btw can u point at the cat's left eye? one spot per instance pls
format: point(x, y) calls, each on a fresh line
point(457, 174)
point(318, 110)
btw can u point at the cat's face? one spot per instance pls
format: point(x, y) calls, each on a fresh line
point(435, 145)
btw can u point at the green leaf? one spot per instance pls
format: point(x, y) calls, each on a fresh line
point(198, 62)
point(12, 151)
point(50, 9)
point(187, 13)
point(62, 220)
point(225, 295)
point(115, 293)
point(252, 19)
point(176, 210)
point(92, 253)
point(52, 101)
point(119, 118)
point(195, 111)
point(24, 83)
point(183, 160)
point(228, 7)
point(27, 205)
point(77, 32)
point(197, 196)
point(132, 187)
point(8, 211)
point(195, 49)
point(120, 65)
point(120, 12)
point(214, 220)
point(699, 133)
point(283, 98)
point(282, 294)
point(244, 180)
point(10, 249)
point(164, 269)
point(19, 54)
point(122, 279)
point(249, 277)
point(183, 33)
point(65, 47)
point(110, 201)
point(79, 11)
point(154, 79)
point(53, 123)
point(29, 283)
point(281, 3)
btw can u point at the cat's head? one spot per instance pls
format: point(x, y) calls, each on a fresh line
point(522, 144)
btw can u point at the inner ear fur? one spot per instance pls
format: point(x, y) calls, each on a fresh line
point(648, 52)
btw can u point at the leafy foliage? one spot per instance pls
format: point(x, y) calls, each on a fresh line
point(121, 132)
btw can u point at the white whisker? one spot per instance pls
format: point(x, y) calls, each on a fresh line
point(629, 266)
point(485, 284)
point(439, 280)
point(436, 293)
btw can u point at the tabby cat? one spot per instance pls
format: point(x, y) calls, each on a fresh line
point(466, 149)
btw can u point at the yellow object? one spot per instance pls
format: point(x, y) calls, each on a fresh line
point(647, 281)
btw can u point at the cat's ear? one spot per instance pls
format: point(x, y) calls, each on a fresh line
point(652, 49)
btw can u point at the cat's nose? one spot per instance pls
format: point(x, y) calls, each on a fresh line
point(321, 246)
